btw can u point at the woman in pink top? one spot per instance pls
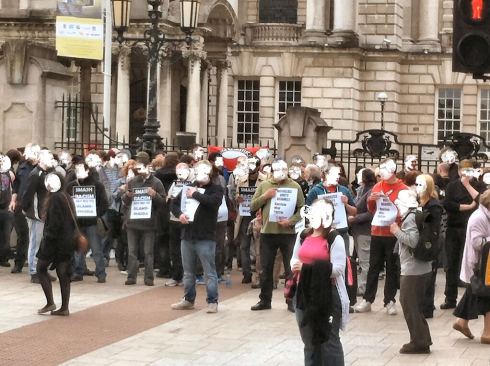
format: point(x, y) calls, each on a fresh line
point(321, 301)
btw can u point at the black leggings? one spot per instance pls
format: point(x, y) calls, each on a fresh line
point(63, 270)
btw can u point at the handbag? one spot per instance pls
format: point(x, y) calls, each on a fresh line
point(80, 241)
point(480, 281)
point(290, 286)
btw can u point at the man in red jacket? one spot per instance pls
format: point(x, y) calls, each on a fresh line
point(382, 241)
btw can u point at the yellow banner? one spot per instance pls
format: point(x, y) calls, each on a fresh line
point(80, 37)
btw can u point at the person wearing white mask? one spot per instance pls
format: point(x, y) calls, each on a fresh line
point(486, 178)
point(199, 236)
point(278, 235)
point(321, 299)
point(460, 202)
point(449, 156)
point(7, 203)
point(296, 174)
point(142, 231)
point(320, 160)
point(33, 205)
point(57, 248)
point(415, 275)
point(382, 242)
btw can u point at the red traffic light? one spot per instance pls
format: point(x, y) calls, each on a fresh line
point(477, 10)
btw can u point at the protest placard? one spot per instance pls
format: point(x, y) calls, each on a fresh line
point(84, 199)
point(283, 204)
point(189, 205)
point(386, 212)
point(247, 193)
point(340, 217)
point(141, 205)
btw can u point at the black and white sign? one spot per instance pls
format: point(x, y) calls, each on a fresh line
point(283, 204)
point(247, 193)
point(84, 199)
point(386, 212)
point(141, 206)
point(188, 205)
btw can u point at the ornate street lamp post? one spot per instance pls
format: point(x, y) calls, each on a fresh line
point(382, 97)
point(154, 39)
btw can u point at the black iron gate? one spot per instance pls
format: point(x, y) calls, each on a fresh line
point(372, 146)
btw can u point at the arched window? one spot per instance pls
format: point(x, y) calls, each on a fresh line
point(278, 11)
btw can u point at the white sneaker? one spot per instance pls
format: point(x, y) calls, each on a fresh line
point(183, 305)
point(212, 308)
point(391, 308)
point(363, 307)
point(172, 283)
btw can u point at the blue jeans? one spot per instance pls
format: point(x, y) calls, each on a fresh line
point(95, 242)
point(205, 250)
point(36, 229)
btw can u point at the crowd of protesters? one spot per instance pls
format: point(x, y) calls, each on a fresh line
point(188, 219)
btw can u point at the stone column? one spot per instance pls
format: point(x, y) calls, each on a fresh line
point(165, 102)
point(429, 22)
point(203, 129)
point(193, 117)
point(343, 34)
point(123, 94)
point(315, 22)
point(222, 125)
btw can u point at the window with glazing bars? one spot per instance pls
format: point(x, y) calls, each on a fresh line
point(485, 117)
point(448, 112)
point(289, 96)
point(248, 111)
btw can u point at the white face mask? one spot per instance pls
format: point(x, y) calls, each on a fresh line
point(46, 159)
point(387, 170)
point(420, 185)
point(295, 172)
point(320, 161)
point(183, 173)
point(202, 174)
point(65, 159)
point(5, 164)
point(320, 214)
point(267, 170)
point(142, 170)
point(477, 173)
point(468, 172)
point(219, 161)
point(130, 175)
point(410, 163)
point(93, 161)
point(241, 174)
point(449, 157)
point(406, 200)
point(252, 164)
point(121, 159)
point(80, 172)
point(279, 171)
point(332, 178)
point(52, 183)
point(359, 176)
point(263, 154)
point(486, 178)
point(199, 153)
point(31, 152)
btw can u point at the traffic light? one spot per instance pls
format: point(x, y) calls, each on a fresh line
point(471, 36)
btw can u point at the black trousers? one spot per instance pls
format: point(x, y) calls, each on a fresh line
point(174, 250)
point(22, 230)
point(381, 253)
point(244, 241)
point(455, 238)
point(269, 244)
point(428, 305)
point(6, 218)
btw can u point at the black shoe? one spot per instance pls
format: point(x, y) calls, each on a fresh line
point(447, 305)
point(76, 278)
point(101, 279)
point(120, 266)
point(247, 279)
point(35, 279)
point(16, 269)
point(411, 349)
point(88, 272)
point(291, 307)
point(5, 264)
point(130, 282)
point(261, 306)
point(351, 310)
point(149, 283)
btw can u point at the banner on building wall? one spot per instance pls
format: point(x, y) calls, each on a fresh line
point(80, 29)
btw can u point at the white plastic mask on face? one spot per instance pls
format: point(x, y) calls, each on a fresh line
point(31, 152)
point(80, 172)
point(387, 170)
point(219, 161)
point(486, 178)
point(52, 183)
point(406, 200)
point(320, 214)
point(279, 171)
point(332, 178)
point(267, 170)
point(241, 174)
point(65, 159)
point(202, 173)
point(320, 161)
point(121, 159)
point(182, 173)
point(93, 161)
point(199, 153)
point(130, 175)
point(468, 172)
point(411, 163)
point(142, 170)
point(477, 173)
point(359, 176)
point(252, 164)
point(295, 172)
point(46, 159)
point(5, 164)
point(449, 157)
point(420, 185)
point(263, 154)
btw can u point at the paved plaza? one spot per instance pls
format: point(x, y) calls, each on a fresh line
point(113, 324)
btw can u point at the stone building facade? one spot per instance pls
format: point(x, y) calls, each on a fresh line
point(251, 60)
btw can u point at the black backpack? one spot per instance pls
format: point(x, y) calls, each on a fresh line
point(480, 281)
point(428, 246)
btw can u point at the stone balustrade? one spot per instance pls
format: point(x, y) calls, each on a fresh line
point(267, 34)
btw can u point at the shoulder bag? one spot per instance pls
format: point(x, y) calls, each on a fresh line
point(80, 241)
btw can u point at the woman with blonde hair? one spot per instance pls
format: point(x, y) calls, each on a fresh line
point(429, 202)
point(470, 305)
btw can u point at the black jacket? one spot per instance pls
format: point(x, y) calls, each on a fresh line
point(456, 195)
point(101, 201)
point(205, 220)
point(167, 176)
point(22, 179)
point(35, 195)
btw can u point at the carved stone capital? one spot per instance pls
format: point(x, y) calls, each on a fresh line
point(125, 57)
